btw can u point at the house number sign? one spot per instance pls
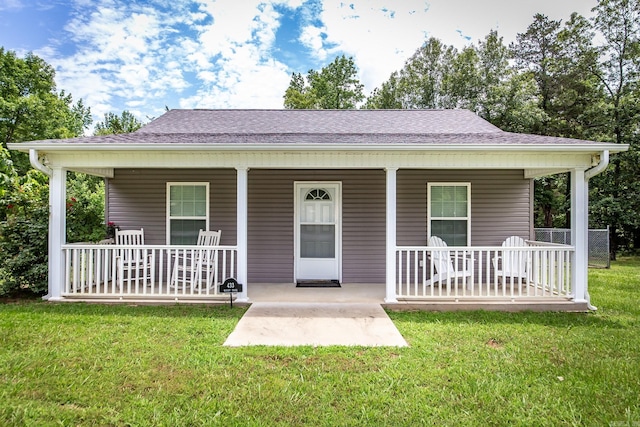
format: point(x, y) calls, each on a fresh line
point(230, 286)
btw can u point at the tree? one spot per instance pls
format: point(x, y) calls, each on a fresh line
point(336, 86)
point(616, 193)
point(30, 109)
point(478, 78)
point(114, 124)
point(30, 106)
point(387, 96)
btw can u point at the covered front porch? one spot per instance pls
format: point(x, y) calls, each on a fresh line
point(475, 278)
point(411, 275)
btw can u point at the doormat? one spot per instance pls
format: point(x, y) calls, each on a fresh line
point(318, 284)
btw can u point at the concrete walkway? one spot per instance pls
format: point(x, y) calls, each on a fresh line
point(315, 324)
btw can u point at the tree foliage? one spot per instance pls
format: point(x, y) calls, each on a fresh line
point(114, 124)
point(31, 109)
point(30, 106)
point(616, 193)
point(335, 86)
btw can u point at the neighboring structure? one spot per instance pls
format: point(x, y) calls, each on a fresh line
point(344, 195)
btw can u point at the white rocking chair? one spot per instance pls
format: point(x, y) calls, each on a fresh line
point(194, 267)
point(136, 264)
point(447, 266)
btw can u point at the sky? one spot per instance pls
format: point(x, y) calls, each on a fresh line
point(146, 55)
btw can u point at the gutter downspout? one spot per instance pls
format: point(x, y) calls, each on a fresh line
point(600, 167)
point(588, 174)
point(35, 162)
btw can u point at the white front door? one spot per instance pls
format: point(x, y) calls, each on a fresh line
point(318, 230)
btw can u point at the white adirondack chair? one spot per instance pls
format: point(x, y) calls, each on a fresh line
point(194, 268)
point(447, 266)
point(134, 263)
point(512, 264)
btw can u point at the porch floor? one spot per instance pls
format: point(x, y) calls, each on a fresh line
point(347, 293)
point(375, 293)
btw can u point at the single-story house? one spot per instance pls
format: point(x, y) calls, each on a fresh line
point(423, 204)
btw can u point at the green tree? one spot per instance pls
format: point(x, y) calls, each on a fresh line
point(336, 86)
point(616, 193)
point(387, 96)
point(30, 109)
point(114, 124)
point(30, 106)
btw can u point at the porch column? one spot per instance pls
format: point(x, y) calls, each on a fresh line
point(579, 235)
point(391, 236)
point(57, 232)
point(241, 224)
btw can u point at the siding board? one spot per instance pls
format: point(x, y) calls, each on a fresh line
point(271, 223)
point(500, 208)
point(500, 204)
point(137, 199)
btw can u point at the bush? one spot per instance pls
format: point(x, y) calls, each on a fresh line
point(24, 234)
point(24, 226)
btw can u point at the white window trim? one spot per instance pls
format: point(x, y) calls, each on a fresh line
point(467, 218)
point(168, 210)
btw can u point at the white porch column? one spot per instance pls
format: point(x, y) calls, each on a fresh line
point(391, 236)
point(241, 221)
point(579, 235)
point(57, 232)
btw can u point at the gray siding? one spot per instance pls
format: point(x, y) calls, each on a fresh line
point(500, 208)
point(500, 204)
point(137, 198)
point(271, 223)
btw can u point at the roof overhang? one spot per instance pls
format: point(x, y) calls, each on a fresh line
point(534, 159)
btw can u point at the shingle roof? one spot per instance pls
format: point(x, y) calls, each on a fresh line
point(319, 122)
point(355, 128)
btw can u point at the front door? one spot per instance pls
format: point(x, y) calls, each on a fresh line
point(318, 230)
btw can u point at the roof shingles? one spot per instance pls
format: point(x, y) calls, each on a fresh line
point(316, 127)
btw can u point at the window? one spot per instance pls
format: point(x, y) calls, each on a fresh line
point(449, 212)
point(187, 211)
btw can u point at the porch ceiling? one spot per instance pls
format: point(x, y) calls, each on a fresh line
point(103, 162)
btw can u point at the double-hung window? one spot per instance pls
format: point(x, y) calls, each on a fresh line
point(449, 212)
point(187, 211)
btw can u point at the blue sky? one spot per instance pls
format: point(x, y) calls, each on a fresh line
point(143, 55)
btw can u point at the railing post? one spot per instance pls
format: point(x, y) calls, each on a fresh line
point(391, 236)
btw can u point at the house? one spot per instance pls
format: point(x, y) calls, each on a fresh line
point(352, 196)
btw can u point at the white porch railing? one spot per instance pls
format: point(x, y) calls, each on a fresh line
point(149, 271)
point(538, 270)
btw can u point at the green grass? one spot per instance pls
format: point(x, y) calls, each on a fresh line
point(87, 365)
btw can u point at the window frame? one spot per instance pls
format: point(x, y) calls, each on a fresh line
point(195, 218)
point(467, 218)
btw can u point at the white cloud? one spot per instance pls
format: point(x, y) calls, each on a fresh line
point(311, 37)
point(11, 4)
point(220, 53)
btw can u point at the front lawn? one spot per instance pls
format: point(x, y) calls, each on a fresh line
point(88, 365)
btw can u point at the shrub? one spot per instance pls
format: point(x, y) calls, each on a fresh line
point(24, 226)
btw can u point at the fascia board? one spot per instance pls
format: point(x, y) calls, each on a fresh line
point(567, 148)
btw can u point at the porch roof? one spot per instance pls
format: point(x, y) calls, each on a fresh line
point(320, 129)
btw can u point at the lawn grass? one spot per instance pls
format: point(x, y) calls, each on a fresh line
point(87, 365)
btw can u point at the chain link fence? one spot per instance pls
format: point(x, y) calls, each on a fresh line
point(598, 243)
